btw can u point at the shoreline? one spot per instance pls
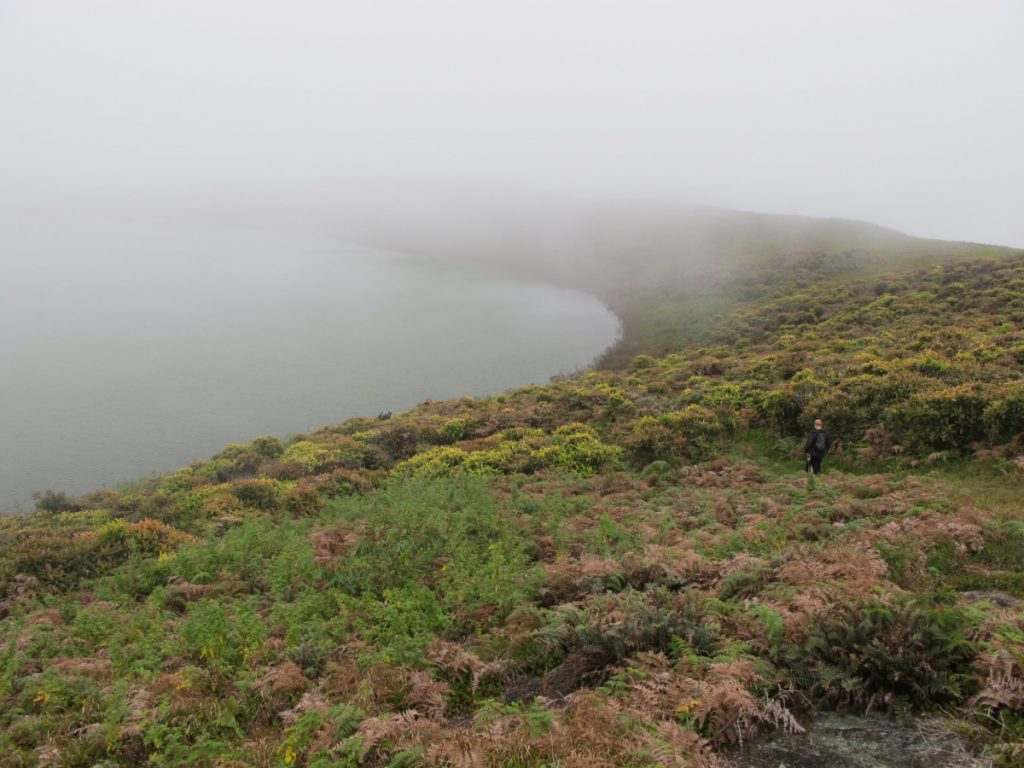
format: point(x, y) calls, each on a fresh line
point(439, 372)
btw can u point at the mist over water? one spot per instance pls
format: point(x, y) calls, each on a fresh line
point(135, 348)
point(279, 131)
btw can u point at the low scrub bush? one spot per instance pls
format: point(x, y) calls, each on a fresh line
point(453, 431)
point(262, 493)
point(220, 634)
point(446, 537)
point(1004, 415)
point(577, 448)
point(890, 655)
point(611, 627)
point(691, 434)
point(573, 447)
point(945, 418)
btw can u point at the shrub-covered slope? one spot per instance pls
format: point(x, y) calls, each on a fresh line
point(624, 567)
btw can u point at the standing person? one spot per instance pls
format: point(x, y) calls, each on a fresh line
point(817, 445)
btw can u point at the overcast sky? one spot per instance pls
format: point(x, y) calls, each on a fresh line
point(907, 113)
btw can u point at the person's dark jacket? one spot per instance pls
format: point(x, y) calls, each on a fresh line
point(811, 446)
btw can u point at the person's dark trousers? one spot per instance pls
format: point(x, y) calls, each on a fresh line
point(814, 465)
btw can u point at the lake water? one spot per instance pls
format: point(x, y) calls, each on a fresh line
point(132, 349)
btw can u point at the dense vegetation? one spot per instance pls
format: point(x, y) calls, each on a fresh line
point(624, 567)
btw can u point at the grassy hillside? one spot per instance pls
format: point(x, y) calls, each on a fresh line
point(626, 567)
point(664, 268)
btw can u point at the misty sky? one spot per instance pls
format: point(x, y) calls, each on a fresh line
point(909, 114)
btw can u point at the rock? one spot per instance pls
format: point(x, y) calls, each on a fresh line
point(1000, 599)
point(867, 741)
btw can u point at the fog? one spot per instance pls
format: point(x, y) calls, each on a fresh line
point(907, 114)
point(212, 211)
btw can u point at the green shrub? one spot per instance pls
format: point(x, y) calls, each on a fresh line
point(773, 626)
point(439, 461)
point(235, 461)
point(577, 448)
point(182, 480)
point(52, 501)
point(700, 427)
point(312, 457)
point(724, 396)
point(641, 362)
point(614, 626)
point(863, 655)
point(398, 442)
point(453, 431)
point(650, 439)
point(929, 364)
point(65, 551)
point(302, 500)
point(149, 537)
point(945, 418)
point(574, 447)
point(692, 433)
point(448, 534)
point(783, 410)
point(261, 493)
point(860, 402)
point(220, 633)
point(267, 446)
point(1004, 415)
point(241, 553)
point(344, 482)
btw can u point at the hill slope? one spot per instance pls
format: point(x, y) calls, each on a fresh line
point(635, 545)
point(659, 266)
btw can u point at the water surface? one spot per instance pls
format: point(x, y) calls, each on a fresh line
point(132, 349)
